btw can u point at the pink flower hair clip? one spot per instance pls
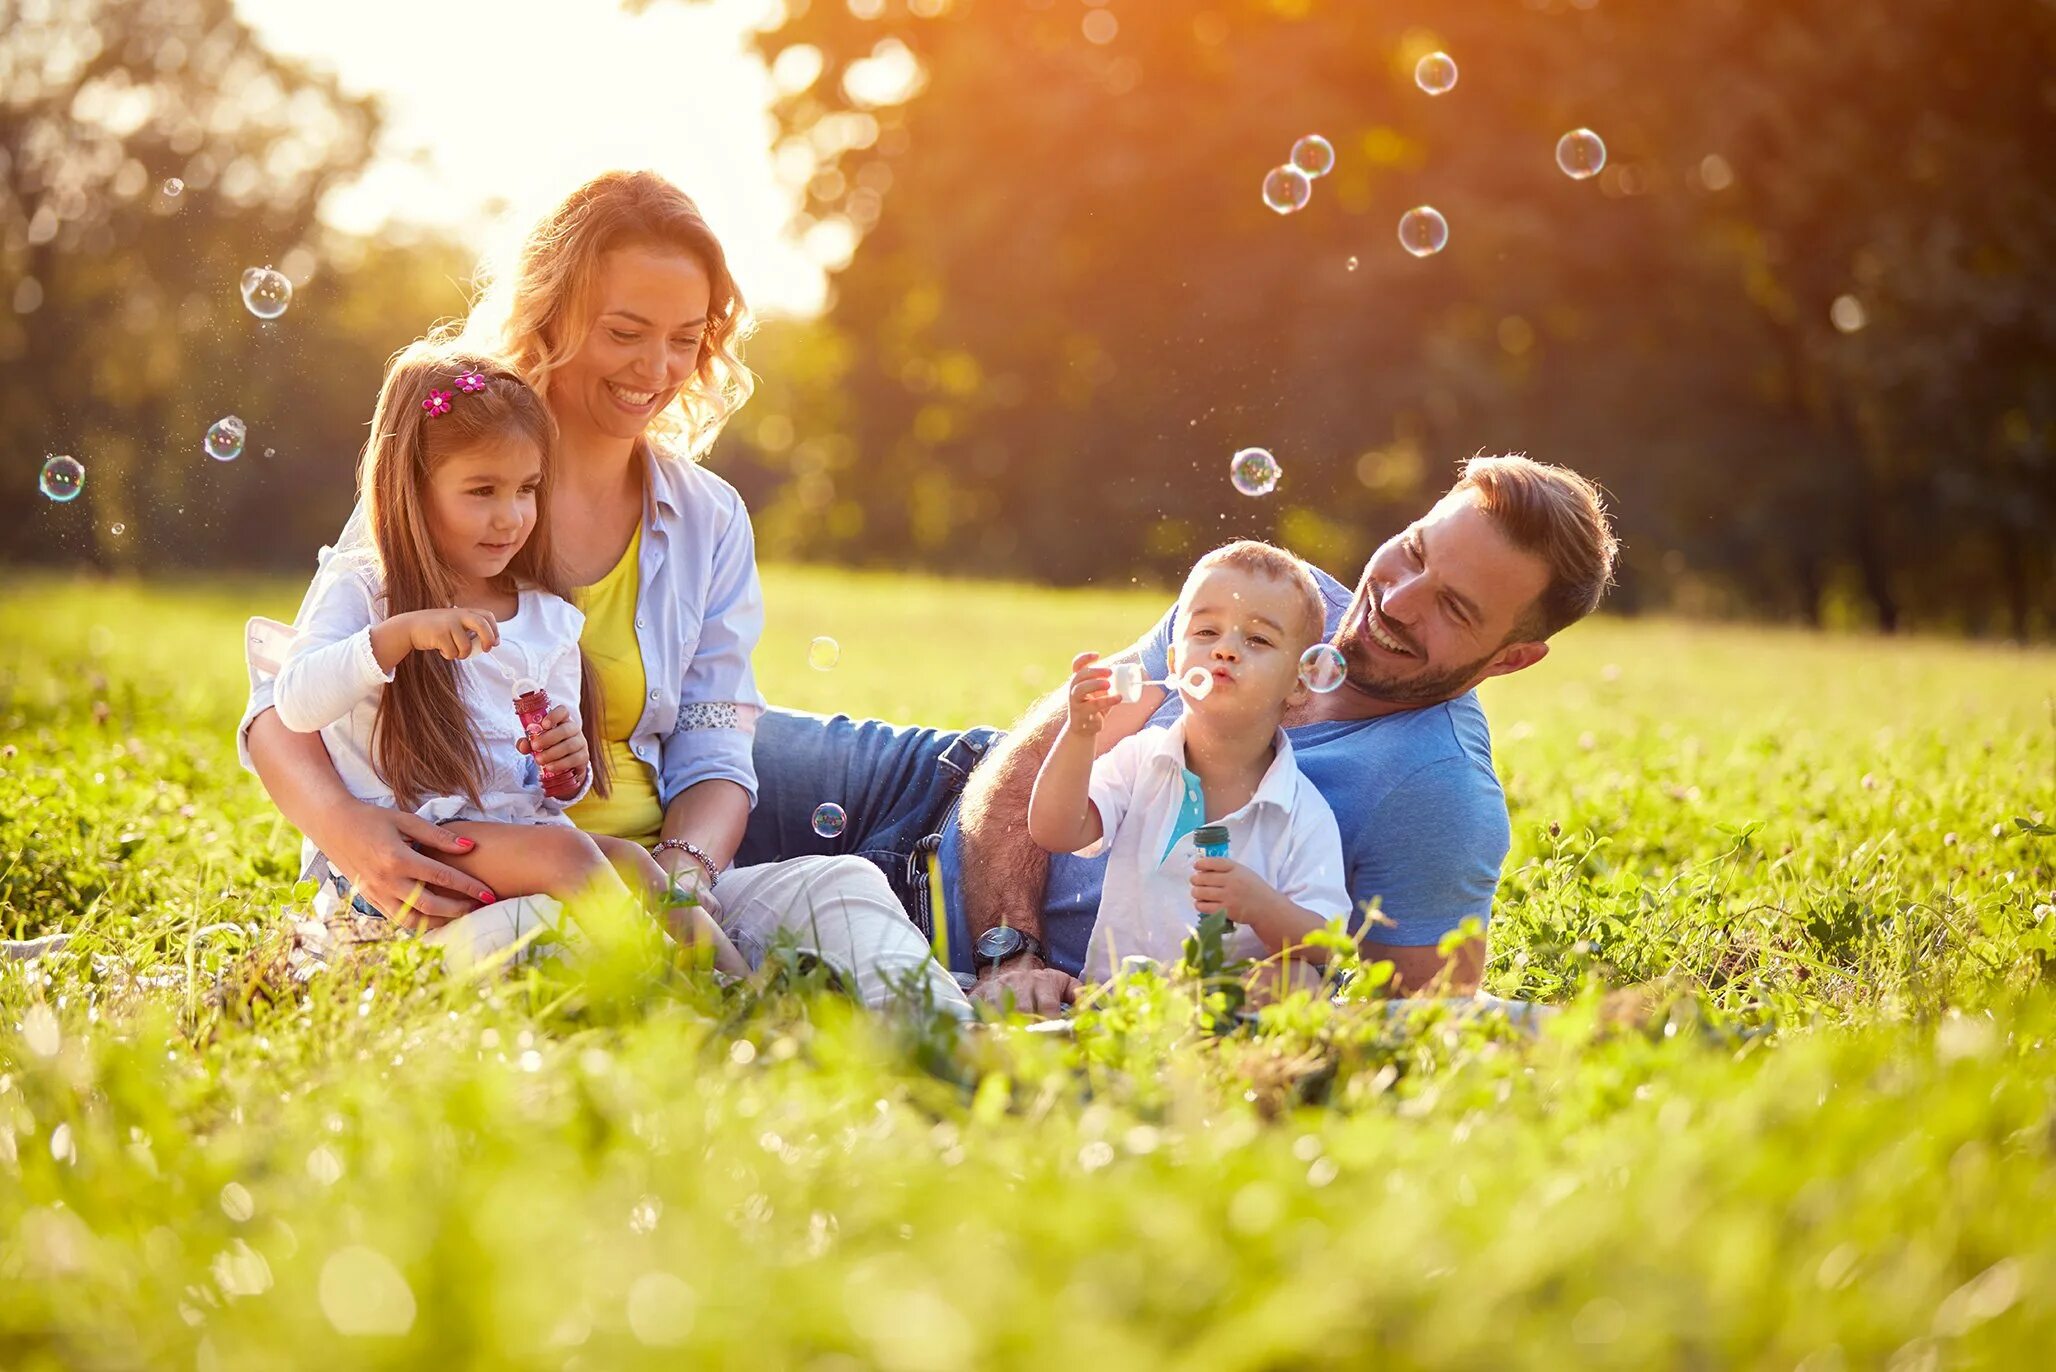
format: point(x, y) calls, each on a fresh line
point(471, 383)
point(437, 404)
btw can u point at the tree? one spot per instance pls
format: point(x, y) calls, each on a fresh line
point(150, 152)
point(1069, 305)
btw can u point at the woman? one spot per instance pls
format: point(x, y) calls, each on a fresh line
point(622, 315)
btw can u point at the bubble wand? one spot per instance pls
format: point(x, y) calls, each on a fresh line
point(532, 707)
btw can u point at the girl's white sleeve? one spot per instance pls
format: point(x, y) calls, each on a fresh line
point(331, 668)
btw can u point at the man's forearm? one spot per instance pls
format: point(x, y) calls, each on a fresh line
point(1004, 873)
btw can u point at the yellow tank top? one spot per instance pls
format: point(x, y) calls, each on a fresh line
point(633, 810)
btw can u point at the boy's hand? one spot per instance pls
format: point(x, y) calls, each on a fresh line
point(1091, 695)
point(456, 634)
point(560, 747)
point(1225, 885)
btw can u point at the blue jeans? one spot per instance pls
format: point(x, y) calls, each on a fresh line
point(899, 786)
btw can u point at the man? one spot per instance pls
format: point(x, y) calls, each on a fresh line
point(1516, 551)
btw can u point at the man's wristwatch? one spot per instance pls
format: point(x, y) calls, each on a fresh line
point(1001, 942)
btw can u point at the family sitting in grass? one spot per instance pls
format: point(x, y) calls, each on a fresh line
point(533, 514)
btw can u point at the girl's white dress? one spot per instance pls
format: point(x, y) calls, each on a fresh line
point(330, 683)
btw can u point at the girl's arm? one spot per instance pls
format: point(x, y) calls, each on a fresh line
point(333, 665)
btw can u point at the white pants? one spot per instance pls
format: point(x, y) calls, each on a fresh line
point(839, 909)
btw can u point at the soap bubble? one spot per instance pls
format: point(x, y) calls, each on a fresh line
point(1436, 73)
point(1423, 230)
point(174, 187)
point(271, 452)
point(266, 293)
point(63, 478)
point(1314, 155)
point(830, 819)
point(1287, 189)
point(1321, 667)
point(118, 530)
point(1351, 264)
point(1847, 314)
point(1197, 682)
point(225, 439)
point(1581, 154)
point(1254, 471)
point(823, 653)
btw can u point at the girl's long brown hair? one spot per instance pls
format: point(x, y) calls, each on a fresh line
point(423, 743)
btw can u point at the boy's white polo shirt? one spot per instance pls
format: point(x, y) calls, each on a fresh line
point(1149, 803)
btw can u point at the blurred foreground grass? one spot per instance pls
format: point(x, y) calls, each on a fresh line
point(1801, 1110)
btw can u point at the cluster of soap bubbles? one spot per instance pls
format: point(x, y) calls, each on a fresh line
point(823, 653)
point(1422, 230)
point(1254, 471)
point(1290, 186)
point(267, 293)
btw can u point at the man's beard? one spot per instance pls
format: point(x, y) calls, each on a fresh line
point(1396, 686)
point(1427, 687)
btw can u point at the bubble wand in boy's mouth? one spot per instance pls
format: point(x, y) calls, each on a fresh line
point(1128, 681)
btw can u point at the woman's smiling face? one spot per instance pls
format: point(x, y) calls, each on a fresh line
point(650, 316)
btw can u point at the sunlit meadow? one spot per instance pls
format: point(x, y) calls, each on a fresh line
point(1798, 1109)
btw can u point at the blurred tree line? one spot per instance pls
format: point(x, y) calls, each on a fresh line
point(1801, 326)
point(123, 334)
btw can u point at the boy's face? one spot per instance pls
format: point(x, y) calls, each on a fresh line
point(1248, 631)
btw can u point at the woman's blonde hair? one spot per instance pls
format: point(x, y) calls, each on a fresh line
point(423, 743)
point(539, 314)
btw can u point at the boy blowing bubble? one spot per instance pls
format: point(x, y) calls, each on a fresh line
point(1247, 613)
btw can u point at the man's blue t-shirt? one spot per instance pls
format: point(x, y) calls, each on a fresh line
point(1423, 820)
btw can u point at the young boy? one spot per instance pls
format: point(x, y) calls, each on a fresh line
point(1247, 613)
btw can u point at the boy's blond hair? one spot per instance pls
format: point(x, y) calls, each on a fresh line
point(1267, 560)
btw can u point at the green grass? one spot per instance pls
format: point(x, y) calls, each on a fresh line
point(1800, 1110)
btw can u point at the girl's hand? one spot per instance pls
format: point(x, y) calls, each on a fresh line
point(560, 747)
point(1091, 695)
point(454, 633)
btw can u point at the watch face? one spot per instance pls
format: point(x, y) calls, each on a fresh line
point(1000, 942)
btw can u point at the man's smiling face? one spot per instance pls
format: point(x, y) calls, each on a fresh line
point(1440, 608)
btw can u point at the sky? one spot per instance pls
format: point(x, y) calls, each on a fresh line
point(494, 110)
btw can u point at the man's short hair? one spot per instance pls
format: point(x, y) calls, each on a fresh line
point(1267, 560)
point(1558, 516)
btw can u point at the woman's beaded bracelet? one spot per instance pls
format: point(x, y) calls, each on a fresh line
point(694, 851)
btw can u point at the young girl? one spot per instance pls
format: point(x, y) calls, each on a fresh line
point(410, 651)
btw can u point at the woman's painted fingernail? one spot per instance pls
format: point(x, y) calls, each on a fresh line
point(488, 897)
point(467, 843)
